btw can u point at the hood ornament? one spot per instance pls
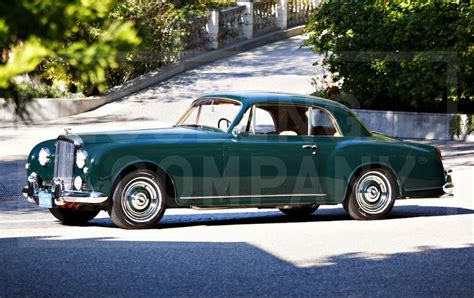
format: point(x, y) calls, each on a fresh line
point(67, 130)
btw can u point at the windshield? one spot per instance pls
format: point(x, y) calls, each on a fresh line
point(211, 113)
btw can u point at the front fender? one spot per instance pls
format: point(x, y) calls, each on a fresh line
point(105, 164)
point(44, 172)
point(110, 160)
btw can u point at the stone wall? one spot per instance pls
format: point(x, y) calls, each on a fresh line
point(428, 126)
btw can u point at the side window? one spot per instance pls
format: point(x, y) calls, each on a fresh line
point(287, 120)
point(322, 124)
point(264, 123)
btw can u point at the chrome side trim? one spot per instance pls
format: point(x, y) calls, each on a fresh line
point(421, 189)
point(253, 196)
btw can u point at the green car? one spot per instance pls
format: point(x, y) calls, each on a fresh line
point(234, 149)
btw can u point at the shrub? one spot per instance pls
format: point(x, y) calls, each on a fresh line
point(42, 40)
point(158, 25)
point(398, 55)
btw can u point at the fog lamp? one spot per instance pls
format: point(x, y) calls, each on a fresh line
point(78, 183)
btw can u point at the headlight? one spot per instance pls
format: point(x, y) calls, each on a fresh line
point(81, 157)
point(44, 156)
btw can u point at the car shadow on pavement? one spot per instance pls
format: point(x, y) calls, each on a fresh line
point(323, 215)
point(47, 266)
point(274, 217)
point(411, 211)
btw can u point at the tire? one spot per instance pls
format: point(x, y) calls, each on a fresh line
point(300, 211)
point(73, 217)
point(138, 201)
point(372, 195)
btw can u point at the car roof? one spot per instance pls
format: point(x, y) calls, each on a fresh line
point(347, 120)
point(252, 97)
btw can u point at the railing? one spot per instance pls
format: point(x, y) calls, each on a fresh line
point(299, 11)
point(243, 21)
point(197, 37)
point(264, 16)
point(230, 25)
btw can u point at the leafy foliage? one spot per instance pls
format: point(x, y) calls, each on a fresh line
point(45, 34)
point(398, 55)
point(457, 124)
point(60, 47)
point(159, 25)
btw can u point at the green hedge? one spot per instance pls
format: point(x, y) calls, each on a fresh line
point(398, 55)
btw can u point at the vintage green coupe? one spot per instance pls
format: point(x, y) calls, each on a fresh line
point(234, 149)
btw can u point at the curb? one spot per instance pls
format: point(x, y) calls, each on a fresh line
point(43, 109)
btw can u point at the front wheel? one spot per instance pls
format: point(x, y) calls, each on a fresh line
point(372, 195)
point(138, 201)
point(73, 217)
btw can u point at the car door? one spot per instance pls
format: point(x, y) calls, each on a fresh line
point(272, 160)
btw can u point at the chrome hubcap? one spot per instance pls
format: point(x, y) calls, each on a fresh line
point(141, 199)
point(373, 193)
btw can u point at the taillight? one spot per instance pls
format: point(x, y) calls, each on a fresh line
point(440, 154)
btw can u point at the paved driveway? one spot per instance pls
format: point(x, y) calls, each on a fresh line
point(424, 248)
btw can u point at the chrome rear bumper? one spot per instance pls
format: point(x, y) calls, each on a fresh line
point(448, 187)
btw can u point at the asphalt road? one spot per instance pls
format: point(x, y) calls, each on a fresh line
point(424, 248)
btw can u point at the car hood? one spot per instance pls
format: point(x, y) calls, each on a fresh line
point(139, 135)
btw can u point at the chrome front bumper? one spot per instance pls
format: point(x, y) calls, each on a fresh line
point(65, 197)
point(60, 196)
point(448, 187)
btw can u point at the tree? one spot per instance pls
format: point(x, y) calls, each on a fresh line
point(34, 33)
point(398, 55)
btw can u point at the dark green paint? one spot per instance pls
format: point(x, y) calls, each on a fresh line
point(210, 163)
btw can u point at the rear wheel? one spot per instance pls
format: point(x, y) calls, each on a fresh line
point(138, 201)
point(300, 211)
point(73, 217)
point(372, 195)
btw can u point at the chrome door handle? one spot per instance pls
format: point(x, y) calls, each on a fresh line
point(312, 147)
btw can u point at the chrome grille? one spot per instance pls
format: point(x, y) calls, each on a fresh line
point(64, 163)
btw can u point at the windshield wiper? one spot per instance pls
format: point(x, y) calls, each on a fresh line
point(198, 126)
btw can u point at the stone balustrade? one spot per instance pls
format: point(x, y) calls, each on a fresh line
point(264, 16)
point(230, 25)
point(248, 19)
point(196, 38)
point(300, 10)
